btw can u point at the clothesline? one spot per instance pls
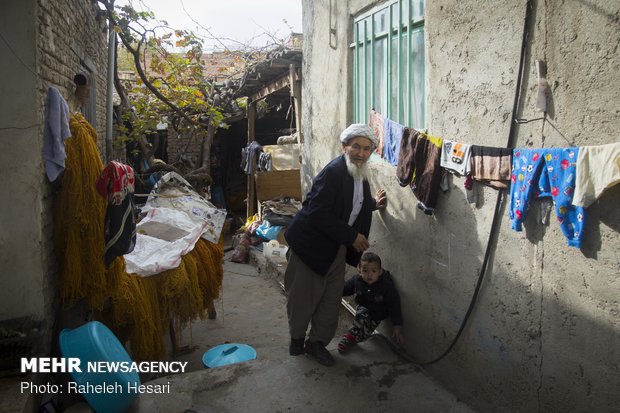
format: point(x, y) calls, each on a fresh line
point(574, 177)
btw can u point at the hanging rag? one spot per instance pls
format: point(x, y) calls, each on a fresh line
point(406, 165)
point(491, 165)
point(419, 167)
point(55, 132)
point(264, 162)
point(376, 122)
point(455, 157)
point(392, 137)
point(598, 168)
point(116, 184)
point(546, 172)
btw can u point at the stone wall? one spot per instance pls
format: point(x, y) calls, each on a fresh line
point(545, 332)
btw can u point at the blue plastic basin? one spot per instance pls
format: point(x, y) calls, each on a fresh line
point(228, 354)
point(94, 342)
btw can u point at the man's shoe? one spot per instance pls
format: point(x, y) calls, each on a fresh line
point(317, 350)
point(296, 347)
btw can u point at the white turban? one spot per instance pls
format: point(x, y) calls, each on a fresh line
point(357, 130)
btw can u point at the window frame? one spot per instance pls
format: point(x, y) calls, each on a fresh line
point(365, 39)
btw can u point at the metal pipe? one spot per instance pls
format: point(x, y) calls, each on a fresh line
point(110, 92)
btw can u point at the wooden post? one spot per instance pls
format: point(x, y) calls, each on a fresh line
point(251, 111)
point(295, 80)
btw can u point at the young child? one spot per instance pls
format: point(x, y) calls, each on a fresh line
point(376, 298)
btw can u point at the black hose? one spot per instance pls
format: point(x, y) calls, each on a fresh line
point(487, 254)
point(498, 205)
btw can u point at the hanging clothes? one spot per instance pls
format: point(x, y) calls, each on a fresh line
point(264, 162)
point(55, 132)
point(598, 168)
point(455, 157)
point(392, 137)
point(116, 185)
point(249, 156)
point(405, 167)
point(376, 122)
point(551, 172)
point(419, 167)
point(491, 166)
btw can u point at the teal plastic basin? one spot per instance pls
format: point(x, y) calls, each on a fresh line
point(94, 342)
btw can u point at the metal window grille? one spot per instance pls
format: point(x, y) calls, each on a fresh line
point(389, 63)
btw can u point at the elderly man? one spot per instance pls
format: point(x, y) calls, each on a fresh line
point(331, 229)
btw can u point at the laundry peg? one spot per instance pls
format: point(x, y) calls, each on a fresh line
point(541, 98)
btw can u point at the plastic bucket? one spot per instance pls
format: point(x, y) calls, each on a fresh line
point(93, 342)
point(273, 249)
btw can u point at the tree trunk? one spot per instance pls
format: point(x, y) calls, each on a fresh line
point(206, 147)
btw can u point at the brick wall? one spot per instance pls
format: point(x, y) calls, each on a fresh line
point(44, 43)
point(188, 146)
point(69, 38)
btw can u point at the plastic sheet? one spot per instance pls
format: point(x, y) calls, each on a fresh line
point(154, 253)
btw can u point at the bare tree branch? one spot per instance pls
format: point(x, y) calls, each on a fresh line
point(135, 52)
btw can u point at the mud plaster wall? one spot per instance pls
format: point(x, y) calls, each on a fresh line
point(545, 333)
point(47, 40)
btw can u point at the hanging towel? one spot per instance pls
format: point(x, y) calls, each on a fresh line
point(491, 165)
point(455, 157)
point(598, 168)
point(55, 132)
point(116, 185)
point(376, 121)
point(392, 138)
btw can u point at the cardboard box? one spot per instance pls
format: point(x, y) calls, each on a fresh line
point(278, 184)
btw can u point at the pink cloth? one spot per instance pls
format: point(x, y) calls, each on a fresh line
point(376, 122)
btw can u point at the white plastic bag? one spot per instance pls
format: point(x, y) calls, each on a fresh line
point(163, 236)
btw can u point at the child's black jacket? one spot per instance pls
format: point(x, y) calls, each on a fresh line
point(380, 298)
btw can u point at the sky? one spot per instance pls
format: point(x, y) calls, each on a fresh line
point(241, 20)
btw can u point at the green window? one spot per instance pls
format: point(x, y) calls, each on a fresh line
point(388, 63)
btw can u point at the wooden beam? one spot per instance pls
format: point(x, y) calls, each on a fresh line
point(280, 63)
point(280, 83)
point(295, 79)
point(251, 195)
point(251, 111)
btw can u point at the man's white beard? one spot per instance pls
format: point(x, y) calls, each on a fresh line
point(357, 172)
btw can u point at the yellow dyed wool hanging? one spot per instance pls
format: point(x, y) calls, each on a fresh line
point(210, 278)
point(140, 309)
point(78, 218)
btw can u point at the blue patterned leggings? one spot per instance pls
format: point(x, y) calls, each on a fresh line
point(547, 172)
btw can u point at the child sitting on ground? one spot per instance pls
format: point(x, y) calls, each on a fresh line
point(376, 298)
